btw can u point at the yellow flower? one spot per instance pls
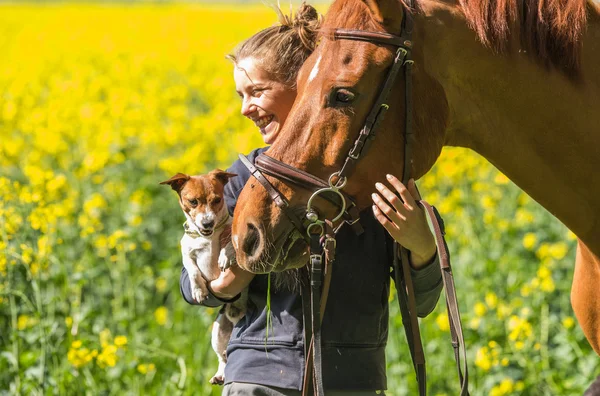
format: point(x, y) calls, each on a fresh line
point(474, 323)
point(491, 299)
point(547, 285)
point(506, 387)
point(22, 321)
point(108, 357)
point(558, 250)
point(501, 179)
point(488, 202)
point(482, 359)
point(161, 315)
point(76, 344)
point(80, 357)
point(146, 368)
point(519, 345)
point(120, 341)
point(105, 337)
point(568, 322)
point(529, 240)
point(543, 272)
point(161, 284)
point(480, 309)
point(519, 386)
point(442, 321)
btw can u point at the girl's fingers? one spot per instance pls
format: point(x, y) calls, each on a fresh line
point(385, 222)
point(408, 199)
point(392, 214)
point(392, 198)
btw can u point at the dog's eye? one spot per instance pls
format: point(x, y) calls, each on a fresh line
point(193, 202)
point(216, 200)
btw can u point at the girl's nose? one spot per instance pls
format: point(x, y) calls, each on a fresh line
point(247, 108)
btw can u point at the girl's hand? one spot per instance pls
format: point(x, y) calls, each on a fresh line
point(404, 219)
point(231, 282)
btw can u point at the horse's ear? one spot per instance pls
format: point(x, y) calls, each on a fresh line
point(176, 182)
point(387, 12)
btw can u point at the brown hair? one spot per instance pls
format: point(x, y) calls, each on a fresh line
point(282, 49)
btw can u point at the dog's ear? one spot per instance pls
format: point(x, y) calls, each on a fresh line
point(222, 176)
point(176, 182)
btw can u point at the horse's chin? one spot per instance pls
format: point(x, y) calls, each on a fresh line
point(295, 254)
point(288, 252)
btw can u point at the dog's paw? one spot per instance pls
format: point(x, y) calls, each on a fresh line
point(224, 261)
point(217, 379)
point(198, 294)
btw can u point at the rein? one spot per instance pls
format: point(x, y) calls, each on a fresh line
point(320, 233)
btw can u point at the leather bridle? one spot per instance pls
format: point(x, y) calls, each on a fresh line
point(320, 233)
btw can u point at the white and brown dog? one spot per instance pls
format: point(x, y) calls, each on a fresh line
point(207, 250)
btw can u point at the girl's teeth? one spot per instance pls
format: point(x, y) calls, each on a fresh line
point(264, 121)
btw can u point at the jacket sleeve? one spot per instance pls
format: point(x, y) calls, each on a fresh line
point(427, 283)
point(186, 292)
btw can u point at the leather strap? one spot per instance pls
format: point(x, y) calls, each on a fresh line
point(300, 178)
point(374, 118)
point(408, 310)
point(321, 251)
point(381, 38)
point(456, 331)
point(275, 195)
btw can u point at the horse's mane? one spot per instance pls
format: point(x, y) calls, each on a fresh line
point(550, 30)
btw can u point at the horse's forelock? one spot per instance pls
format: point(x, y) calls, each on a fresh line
point(350, 14)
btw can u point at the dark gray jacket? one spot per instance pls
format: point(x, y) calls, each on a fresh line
point(355, 326)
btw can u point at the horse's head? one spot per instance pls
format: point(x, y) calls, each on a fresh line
point(337, 87)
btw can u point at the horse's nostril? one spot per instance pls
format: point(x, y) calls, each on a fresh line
point(251, 241)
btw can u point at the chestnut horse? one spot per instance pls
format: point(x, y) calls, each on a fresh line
point(517, 81)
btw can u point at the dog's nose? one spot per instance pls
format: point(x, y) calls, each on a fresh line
point(207, 223)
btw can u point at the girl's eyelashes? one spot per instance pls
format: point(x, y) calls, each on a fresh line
point(254, 92)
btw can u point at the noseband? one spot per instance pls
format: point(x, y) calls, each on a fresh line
point(320, 233)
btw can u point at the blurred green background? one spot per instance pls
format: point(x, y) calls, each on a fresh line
point(99, 103)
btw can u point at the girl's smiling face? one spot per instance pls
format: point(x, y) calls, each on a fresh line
point(265, 101)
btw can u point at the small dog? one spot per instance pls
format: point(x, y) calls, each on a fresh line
point(207, 250)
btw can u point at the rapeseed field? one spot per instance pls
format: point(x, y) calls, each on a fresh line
point(100, 103)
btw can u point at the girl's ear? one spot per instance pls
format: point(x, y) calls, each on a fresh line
point(176, 182)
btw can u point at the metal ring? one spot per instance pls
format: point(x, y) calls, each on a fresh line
point(332, 189)
point(316, 224)
point(341, 183)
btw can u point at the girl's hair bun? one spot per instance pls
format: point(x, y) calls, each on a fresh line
point(305, 22)
point(282, 49)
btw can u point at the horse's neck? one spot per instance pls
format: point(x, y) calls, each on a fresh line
point(536, 126)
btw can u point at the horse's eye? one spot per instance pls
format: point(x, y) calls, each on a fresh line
point(193, 202)
point(343, 96)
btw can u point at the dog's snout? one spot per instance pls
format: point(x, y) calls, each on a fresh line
point(207, 223)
